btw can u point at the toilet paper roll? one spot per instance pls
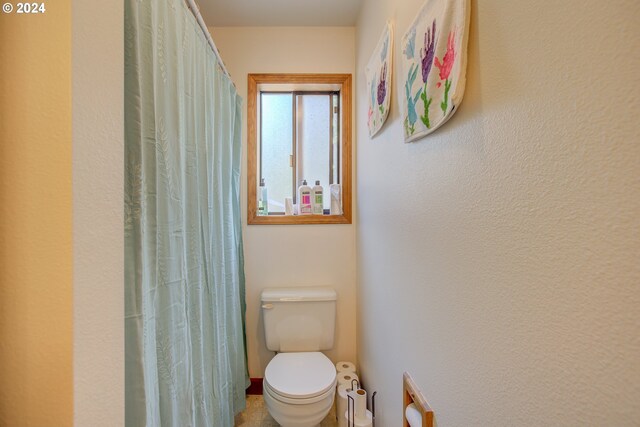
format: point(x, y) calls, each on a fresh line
point(345, 378)
point(359, 403)
point(336, 199)
point(414, 417)
point(366, 421)
point(341, 404)
point(345, 367)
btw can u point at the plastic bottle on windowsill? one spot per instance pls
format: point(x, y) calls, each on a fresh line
point(263, 200)
point(335, 192)
point(304, 199)
point(317, 199)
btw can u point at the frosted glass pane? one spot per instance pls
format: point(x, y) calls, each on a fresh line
point(276, 143)
point(335, 142)
point(314, 140)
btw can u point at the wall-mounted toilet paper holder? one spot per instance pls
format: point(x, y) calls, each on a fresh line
point(412, 394)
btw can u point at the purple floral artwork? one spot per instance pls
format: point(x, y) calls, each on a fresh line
point(426, 55)
point(382, 87)
point(427, 52)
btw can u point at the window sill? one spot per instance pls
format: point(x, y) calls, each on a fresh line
point(298, 219)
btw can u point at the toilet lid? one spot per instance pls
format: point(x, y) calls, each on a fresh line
point(300, 375)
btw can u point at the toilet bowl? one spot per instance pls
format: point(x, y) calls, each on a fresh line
point(299, 388)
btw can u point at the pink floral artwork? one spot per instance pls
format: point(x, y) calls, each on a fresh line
point(445, 69)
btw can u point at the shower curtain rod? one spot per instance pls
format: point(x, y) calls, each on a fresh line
point(196, 13)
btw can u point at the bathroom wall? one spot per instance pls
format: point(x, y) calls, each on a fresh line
point(300, 255)
point(36, 326)
point(498, 257)
point(98, 238)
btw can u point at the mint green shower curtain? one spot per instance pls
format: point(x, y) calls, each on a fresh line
point(184, 272)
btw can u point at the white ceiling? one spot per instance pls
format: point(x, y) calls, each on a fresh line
point(285, 13)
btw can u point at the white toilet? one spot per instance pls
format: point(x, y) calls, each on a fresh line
point(300, 382)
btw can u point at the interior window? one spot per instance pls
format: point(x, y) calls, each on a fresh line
point(299, 130)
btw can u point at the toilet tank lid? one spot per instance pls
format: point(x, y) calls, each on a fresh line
point(318, 293)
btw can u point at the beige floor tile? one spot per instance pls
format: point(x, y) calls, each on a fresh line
point(256, 415)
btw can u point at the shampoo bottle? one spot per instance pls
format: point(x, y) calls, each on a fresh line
point(304, 199)
point(317, 200)
point(263, 200)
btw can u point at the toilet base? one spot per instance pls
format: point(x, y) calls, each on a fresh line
point(298, 415)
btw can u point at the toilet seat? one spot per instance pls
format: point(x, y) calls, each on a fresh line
point(297, 401)
point(300, 378)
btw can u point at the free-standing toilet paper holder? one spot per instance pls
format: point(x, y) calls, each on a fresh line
point(373, 409)
point(351, 412)
point(412, 394)
point(351, 404)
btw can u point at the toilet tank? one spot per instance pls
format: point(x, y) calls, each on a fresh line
point(299, 319)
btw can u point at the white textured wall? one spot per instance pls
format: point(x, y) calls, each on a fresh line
point(498, 257)
point(98, 231)
point(292, 255)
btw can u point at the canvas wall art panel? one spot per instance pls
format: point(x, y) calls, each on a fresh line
point(434, 62)
point(378, 74)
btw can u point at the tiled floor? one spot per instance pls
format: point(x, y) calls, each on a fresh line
point(256, 415)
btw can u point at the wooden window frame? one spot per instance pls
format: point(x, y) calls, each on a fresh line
point(254, 81)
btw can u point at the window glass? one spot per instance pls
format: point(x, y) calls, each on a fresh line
point(313, 115)
point(335, 145)
point(276, 147)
